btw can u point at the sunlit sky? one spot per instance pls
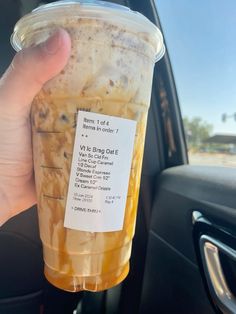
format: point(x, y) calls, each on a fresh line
point(201, 41)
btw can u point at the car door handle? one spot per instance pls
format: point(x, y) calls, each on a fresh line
point(219, 290)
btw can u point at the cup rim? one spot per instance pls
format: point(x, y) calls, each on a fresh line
point(94, 9)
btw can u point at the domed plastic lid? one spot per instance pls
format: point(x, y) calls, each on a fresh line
point(91, 9)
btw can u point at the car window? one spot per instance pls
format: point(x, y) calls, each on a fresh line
point(200, 38)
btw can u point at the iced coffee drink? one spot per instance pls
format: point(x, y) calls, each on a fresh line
point(88, 127)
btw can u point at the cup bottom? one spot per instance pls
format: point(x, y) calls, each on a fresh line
point(89, 283)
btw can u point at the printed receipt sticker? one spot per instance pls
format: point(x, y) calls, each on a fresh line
point(100, 172)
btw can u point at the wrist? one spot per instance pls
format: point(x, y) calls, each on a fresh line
point(15, 197)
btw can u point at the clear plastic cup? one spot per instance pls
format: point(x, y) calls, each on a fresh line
point(109, 75)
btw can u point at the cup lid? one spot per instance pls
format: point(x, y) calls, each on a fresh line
point(96, 9)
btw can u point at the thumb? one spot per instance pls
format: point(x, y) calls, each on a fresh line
point(29, 70)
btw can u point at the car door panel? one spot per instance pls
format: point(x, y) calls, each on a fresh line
point(173, 280)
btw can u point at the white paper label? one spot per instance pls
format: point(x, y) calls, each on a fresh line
point(100, 173)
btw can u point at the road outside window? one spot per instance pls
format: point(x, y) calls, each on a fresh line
point(200, 38)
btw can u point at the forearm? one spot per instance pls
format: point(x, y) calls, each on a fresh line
point(15, 197)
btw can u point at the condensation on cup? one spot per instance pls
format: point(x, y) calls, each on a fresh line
point(88, 130)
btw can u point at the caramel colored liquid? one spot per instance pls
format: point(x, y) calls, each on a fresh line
point(77, 260)
point(109, 72)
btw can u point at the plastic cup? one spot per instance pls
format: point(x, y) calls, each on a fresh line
point(88, 130)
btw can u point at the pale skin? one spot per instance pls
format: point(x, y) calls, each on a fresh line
point(30, 69)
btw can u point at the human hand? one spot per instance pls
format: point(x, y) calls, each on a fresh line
point(29, 70)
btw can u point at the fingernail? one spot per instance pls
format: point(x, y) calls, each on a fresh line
point(53, 43)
